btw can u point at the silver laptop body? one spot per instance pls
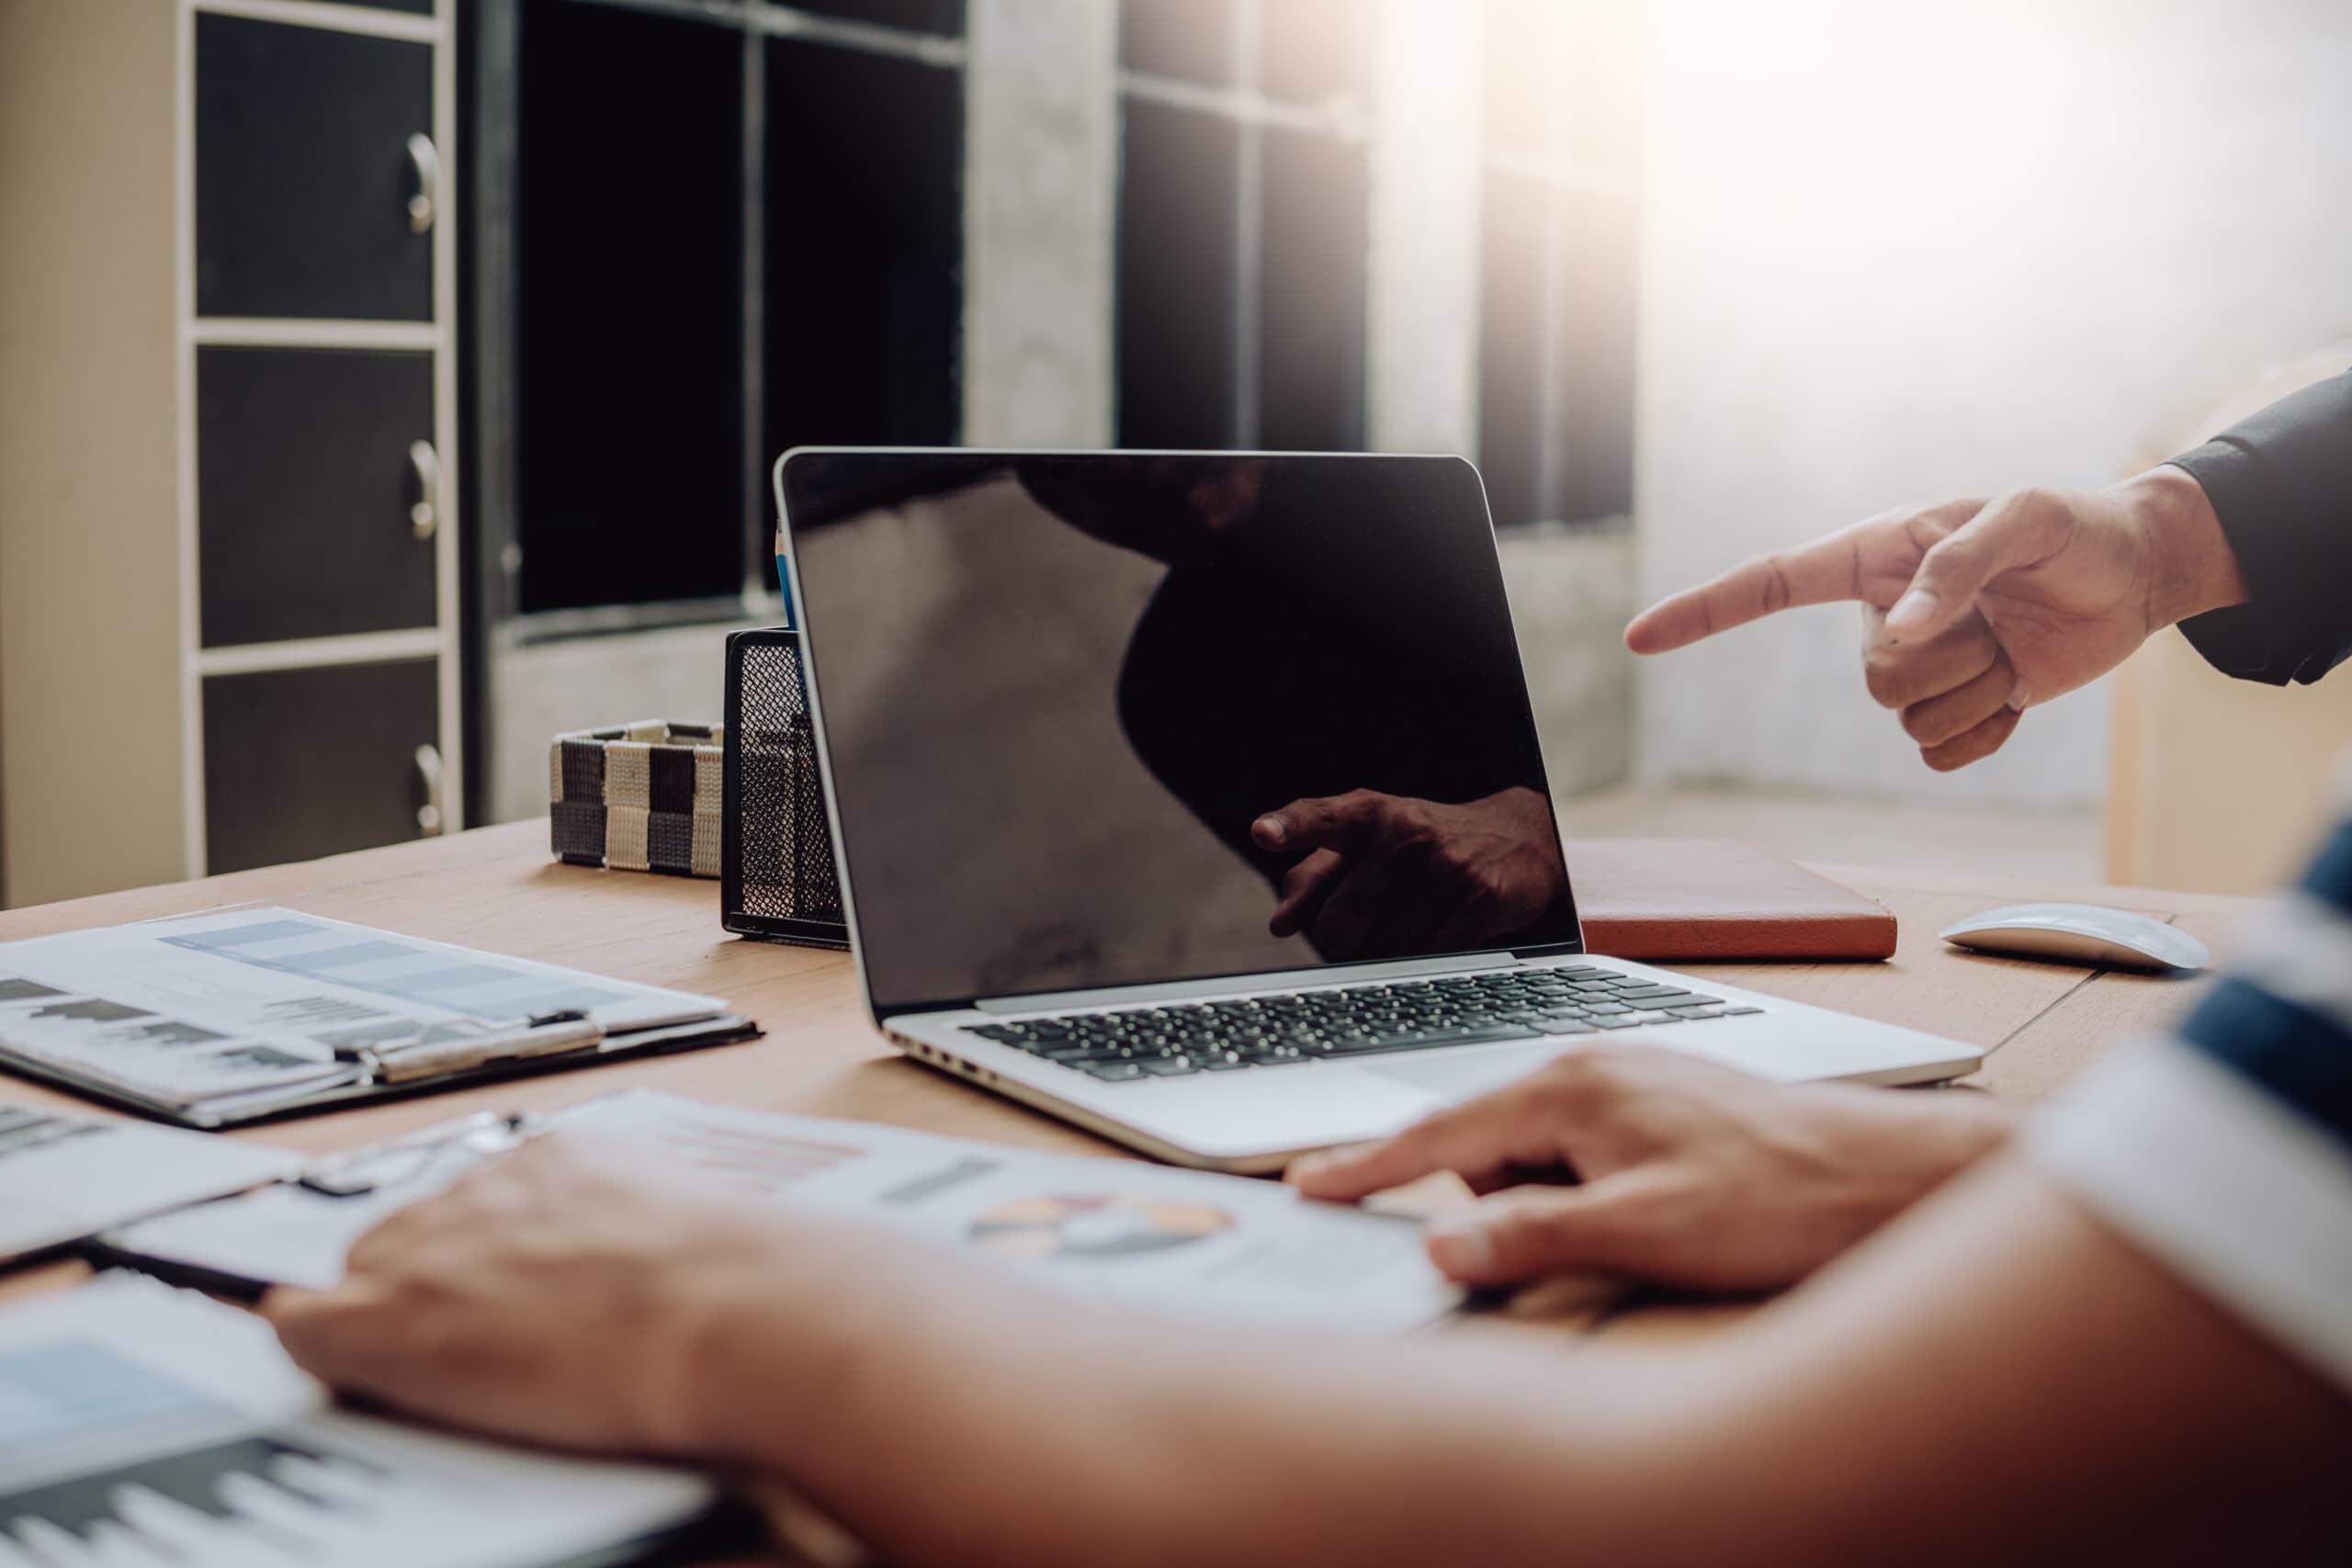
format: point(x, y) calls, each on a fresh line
point(1058, 697)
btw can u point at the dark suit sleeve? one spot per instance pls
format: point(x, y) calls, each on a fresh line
point(2282, 484)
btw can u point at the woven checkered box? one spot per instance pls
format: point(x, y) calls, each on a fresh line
point(642, 797)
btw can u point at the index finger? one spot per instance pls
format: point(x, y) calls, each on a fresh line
point(1506, 1127)
point(1331, 821)
point(1822, 572)
point(329, 1333)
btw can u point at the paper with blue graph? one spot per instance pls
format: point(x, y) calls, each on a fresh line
point(236, 1011)
point(142, 1424)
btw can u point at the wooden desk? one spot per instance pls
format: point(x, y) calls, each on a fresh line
point(496, 888)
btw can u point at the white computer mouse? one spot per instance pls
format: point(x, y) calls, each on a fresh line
point(2079, 934)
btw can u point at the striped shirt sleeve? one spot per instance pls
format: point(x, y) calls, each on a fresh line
point(2226, 1150)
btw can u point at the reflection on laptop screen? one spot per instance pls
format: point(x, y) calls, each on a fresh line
point(1063, 695)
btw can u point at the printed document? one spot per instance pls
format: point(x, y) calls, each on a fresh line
point(144, 1425)
point(261, 1005)
point(1188, 1242)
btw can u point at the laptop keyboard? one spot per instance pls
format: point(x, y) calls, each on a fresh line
point(1132, 1043)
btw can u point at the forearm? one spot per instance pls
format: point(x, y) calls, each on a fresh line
point(2000, 1349)
point(2000, 1378)
point(1916, 1140)
point(2195, 570)
point(964, 1416)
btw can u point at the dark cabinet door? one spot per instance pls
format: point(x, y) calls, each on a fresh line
point(307, 491)
point(304, 176)
point(299, 763)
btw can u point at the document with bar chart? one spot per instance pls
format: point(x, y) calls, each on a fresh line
point(224, 1016)
point(1185, 1242)
point(144, 1425)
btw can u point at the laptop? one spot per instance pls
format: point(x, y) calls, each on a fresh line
point(1197, 799)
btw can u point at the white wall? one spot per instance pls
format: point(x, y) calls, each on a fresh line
point(1897, 251)
point(89, 575)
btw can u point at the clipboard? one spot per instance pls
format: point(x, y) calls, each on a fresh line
point(728, 1030)
point(296, 1230)
point(251, 1014)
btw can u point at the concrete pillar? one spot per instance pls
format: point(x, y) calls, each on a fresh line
point(1421, 309)
point(1040, 202)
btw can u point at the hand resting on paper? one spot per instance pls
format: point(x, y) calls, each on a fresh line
point(1667, 1168)
point(538, 1298)
point(548, 1299)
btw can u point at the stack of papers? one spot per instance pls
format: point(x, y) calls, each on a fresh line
point(65, 1176)
point(229, 1016)
point(144, 1425)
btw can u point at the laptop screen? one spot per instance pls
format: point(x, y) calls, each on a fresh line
point(1108, 719)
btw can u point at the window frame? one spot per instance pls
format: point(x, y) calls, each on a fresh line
point(1243, 103)
point(493, 45)
point(1558, 170)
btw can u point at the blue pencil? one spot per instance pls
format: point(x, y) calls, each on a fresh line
point(783, 578)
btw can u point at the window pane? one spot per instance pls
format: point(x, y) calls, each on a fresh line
point(864, 243)
point(1519, 53)
point(628, 308)
point(1595, 419)
point(1317, 49)
point(1564, 94)
point(1602, 73)
point(1564, 79)
point(1190, 39)
point(1555, 382)
point(1511, 348)
point(924, 15)
point(1312, 368)
point(1176, 278)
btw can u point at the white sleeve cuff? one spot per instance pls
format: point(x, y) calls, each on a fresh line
point(2236, 1193)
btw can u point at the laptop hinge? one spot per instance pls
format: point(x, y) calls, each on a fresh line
point(1232, 984)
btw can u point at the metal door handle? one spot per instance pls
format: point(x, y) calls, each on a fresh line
point(427, 159)
point(430, 816)
point(425, 516)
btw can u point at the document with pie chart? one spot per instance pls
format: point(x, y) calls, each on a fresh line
point(1187, 1241)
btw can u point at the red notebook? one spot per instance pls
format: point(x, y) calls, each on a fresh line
point(1717, 898)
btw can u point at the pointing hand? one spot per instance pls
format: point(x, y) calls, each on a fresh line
point(1973, 609)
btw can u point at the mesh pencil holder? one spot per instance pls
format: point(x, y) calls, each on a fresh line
point(778, 878)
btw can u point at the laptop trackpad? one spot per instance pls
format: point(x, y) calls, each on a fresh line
point(1458, 1075)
